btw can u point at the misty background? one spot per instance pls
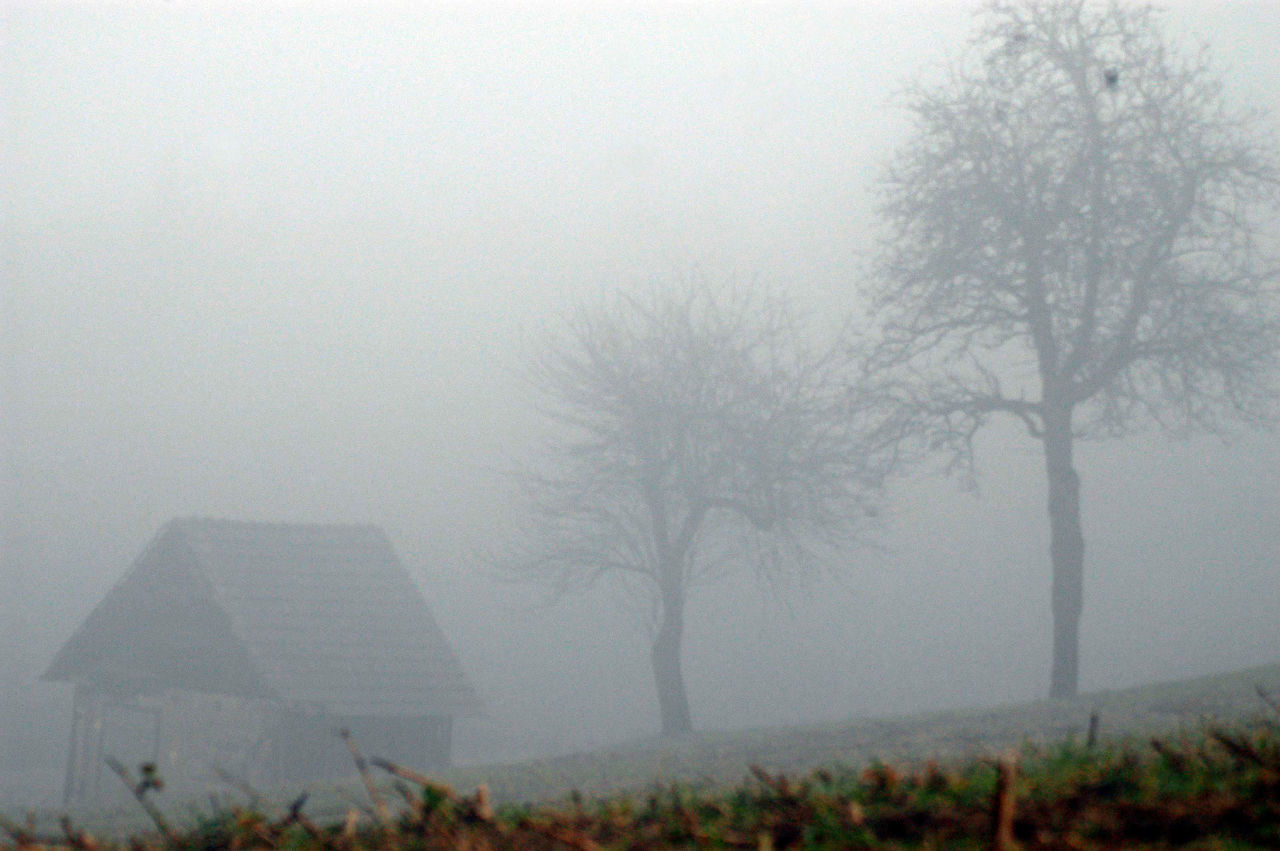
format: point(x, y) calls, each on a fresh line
point(279, 265)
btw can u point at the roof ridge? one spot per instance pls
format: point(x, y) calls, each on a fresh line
point(209, 520)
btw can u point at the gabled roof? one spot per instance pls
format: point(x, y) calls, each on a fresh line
point(321, 616)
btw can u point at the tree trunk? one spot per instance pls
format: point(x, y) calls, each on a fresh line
point(1066, 551)
point(673, 702)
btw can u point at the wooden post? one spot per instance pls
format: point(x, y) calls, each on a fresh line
point(84, 747)
point(1003, 806)
point(446, 743)
point(73, 744)
point(1091, 741)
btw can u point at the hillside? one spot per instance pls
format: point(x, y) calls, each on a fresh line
point(710, 761)
point(717, 758)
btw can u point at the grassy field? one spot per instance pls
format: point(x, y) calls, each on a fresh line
point(779, 786)
point(717, 758)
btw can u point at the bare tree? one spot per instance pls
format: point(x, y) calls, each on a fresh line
point(694, 436)
point(1075, 240)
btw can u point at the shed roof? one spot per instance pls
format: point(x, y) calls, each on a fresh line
point(321, 616)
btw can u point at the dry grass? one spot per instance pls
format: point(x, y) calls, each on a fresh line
point(1171, 767)
point(1219, 789)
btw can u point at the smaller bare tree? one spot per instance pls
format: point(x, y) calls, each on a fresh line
point(694, 435)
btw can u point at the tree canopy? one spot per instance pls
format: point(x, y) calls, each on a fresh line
point(1079, 219)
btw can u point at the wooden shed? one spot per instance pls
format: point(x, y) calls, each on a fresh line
point(234, 648)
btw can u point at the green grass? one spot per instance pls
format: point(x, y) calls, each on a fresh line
point(1216, 789)
point(716, 758)
point(1207, 781)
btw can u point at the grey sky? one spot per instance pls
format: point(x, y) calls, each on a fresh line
point(275, 264)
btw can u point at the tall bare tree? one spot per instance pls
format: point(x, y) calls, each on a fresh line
point(1076, 239)
point(694, 435)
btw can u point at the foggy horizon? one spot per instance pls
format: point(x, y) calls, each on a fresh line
point(280, 264)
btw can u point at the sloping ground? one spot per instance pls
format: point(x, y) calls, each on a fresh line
point(718, 758)
point(1215, 789)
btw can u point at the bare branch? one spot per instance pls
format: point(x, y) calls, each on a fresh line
point(1079, 197)
point(694, 431)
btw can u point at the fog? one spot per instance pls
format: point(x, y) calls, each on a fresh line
point(281, 264)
